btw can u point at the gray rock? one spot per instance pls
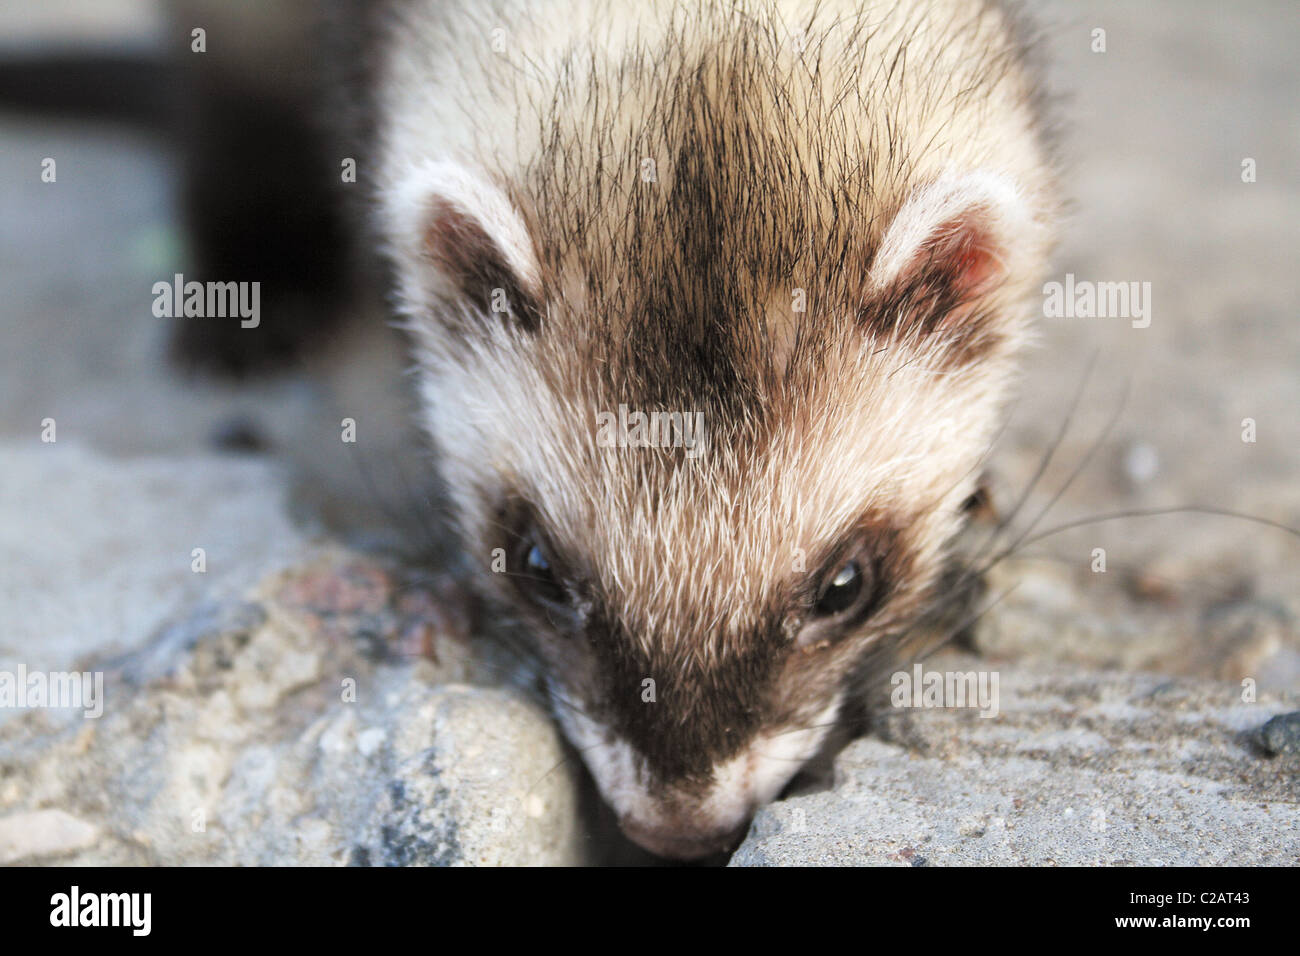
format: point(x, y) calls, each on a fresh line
point(43, 833)
point(1281, 735)
point(1078, 769)
point(480, 793)
point(267, 731)
point(98, 552)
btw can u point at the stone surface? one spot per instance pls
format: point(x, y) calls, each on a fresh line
point(43, 833)
point(1077, 769)
point(328, 719)
point(96, 552)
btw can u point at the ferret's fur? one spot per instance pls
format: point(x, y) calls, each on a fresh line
point(652, 189)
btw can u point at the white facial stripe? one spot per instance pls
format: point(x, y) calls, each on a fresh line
point(778, 756)
point(614, 765)
point(740, 785)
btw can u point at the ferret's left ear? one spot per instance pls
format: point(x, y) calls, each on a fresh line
point(951, 246)
point(463, 240)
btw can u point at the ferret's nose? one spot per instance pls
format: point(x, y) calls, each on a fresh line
point(683, 844)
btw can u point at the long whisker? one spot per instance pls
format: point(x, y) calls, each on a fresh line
point(1158, 512)
point(1047, 458)
point(1078, 469)
point(968, 622)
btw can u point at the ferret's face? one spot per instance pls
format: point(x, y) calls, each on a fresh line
point(708, 506)
point(713, 330)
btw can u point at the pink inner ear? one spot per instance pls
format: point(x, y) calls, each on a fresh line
point(964, 253)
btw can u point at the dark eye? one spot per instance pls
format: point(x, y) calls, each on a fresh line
point(841, 591)
point(537, 574)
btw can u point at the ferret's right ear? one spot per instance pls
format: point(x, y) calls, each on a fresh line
point(945, 259)
point(461, 240)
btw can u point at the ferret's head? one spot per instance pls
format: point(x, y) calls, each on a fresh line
point(708, 423)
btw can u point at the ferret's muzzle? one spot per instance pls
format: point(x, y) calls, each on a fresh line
point(684, 844)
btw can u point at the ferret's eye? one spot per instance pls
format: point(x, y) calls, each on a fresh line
point(842, 591)
point(537, 575)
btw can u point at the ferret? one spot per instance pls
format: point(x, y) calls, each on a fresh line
point(814, 226)
point(809, 229)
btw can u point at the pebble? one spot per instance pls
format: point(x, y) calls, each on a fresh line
point(43, 833)
point(1281, 735)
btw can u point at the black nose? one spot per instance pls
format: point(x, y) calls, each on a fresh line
point(678, 843)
